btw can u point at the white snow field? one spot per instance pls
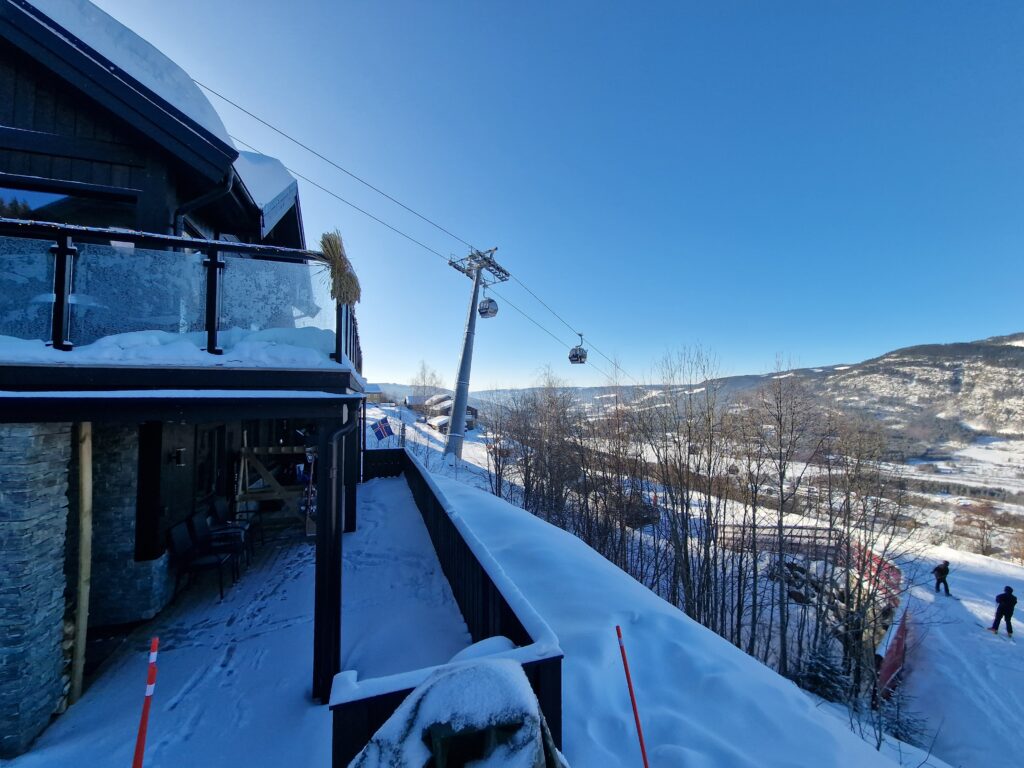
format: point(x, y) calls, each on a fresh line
point(967, 682)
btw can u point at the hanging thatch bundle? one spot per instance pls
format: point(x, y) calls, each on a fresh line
point(344, 283)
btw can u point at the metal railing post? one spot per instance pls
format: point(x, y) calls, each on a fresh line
point(214, 265)
point(64, 253)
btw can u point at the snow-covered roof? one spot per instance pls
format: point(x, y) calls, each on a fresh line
point(438, 421)
point(136, 57)
point(270, 185)
point(438, 398)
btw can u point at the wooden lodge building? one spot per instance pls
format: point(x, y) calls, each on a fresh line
point(160, 320)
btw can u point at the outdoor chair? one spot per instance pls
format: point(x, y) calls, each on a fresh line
point(206, 542)
point(224, 525)
point(188, 558)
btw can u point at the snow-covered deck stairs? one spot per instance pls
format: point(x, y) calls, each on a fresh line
point(389, 645)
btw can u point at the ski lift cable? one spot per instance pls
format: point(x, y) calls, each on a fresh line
point(441, 256)
point(394, 200)
point(569, 326)
point(547, 331)
point(397, 202)
point(327, 160)
point(335, 195)
point(422, 245)
point(390, 226)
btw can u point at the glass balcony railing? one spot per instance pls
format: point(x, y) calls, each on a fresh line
point(26, 288)
point(69, 286)
point(258, 295)
point(120, 288)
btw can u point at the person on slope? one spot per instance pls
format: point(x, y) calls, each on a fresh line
point(1004, 611)
point(941, 571)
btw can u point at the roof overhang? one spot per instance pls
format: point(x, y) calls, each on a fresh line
point(190, 406)
point(61, 51)
point(119, 393)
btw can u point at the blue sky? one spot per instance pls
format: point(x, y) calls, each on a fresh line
point(821, 181)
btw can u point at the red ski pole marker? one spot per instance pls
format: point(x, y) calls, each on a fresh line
point(632, 696)
point(140, 741)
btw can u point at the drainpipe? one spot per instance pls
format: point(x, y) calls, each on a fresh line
point(208, 197)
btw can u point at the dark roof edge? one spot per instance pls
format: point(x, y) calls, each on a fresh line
point(33, 32)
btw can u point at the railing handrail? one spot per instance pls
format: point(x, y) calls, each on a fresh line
point(47, 230)
point(66, 236)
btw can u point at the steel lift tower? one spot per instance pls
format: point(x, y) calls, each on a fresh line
point(482, 269)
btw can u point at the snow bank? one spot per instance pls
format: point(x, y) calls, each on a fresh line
point(702, 701)
point(469, 697)
point(300, 348)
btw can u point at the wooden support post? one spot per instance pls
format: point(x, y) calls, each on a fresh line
point(84, 557)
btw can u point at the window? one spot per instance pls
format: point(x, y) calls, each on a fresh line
point(94, 210)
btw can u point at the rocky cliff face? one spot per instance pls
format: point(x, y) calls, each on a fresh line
point(937, 391)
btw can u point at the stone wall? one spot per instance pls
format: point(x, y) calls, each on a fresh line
point(33, 519)
point(123, 590)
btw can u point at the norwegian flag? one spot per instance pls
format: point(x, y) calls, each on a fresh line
point(382, 429)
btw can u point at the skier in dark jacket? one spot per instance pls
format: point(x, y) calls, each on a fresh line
point(1005, 604)
point(941, 571)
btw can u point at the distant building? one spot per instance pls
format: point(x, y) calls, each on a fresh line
point(374, 394)
point(416, 403)
point(440, 423)
point(444, 408)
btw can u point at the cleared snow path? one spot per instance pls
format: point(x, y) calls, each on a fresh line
point(233, 687)
point(398, 612)
point(968, 683)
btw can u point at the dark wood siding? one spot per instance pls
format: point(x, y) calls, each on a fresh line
point(60, 134)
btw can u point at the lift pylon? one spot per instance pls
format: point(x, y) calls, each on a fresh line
point(482, 269)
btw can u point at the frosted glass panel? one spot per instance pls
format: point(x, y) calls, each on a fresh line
point(258, 294)
point(120, 288)
point(26, 288)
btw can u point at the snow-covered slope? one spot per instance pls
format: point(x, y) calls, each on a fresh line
point(968, 683)
point(702, 701)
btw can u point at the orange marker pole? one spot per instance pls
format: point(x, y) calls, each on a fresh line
point(632, 696)
point(140, 742)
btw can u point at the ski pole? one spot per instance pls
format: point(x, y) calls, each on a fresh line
point(632, 696)
point(140, 741)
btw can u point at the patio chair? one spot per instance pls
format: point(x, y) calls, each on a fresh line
point(223, 525)
point(189, 559)
point(206, 542)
